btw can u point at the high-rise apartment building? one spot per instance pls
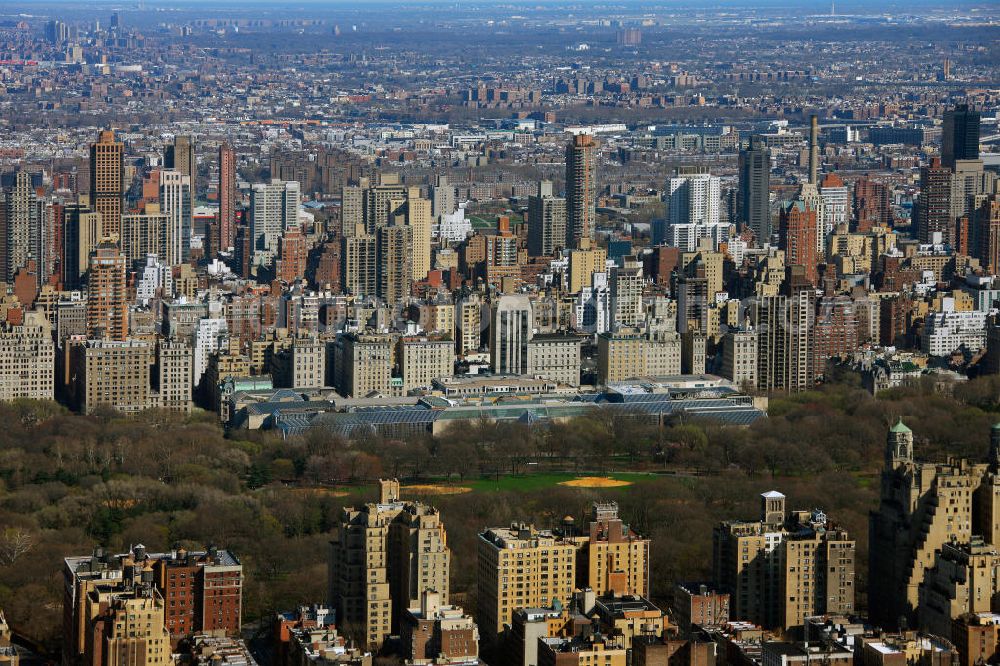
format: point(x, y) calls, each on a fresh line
point(381, 201)
point(172, 376)
point(627, 354)
point(227, 197)
point(581, 191)
point(614, 559)
point(753, 202)
point(27, 360)
point(739, 357)
point(797, 237)
point(198, 592)
point(923, 507)
point(627, 283)
point(107, 183)
point(125, 625)
point(274, 207)
point(362, 364)
point(785, 328)
point(175, 202)
point(986, 225)
point(107, 299)
point(25, 226)
point(960, 135)
point(692, 197)
point(143, 234)
point(420, 222)
point(111, 374)
point(422, 360)
point(546, 222)
point(358, 256)
point(180, 156)
point(394, 269)
point(293, 255)
point(836, 204)
point(384, 557)
point(871, 204)
point(932, 210)
point(784, 568)
point(470, 324)
point(521, 567)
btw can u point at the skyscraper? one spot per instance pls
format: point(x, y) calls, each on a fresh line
point(755, 181)
point(180, 155)
point(107, 175)
point(932, 211)
point(358, 256)
point(418, 218)
point(227, 197)
point(443, 197)
point(909, 528)
point(797, 236)
point(693, 198)
point(960, 135)
point(546, 222)
point(384, 557)
point(510, 331)
point(581, 190)
point(394, 269)
point(175, 201)
point(22, 223)
point(107, 300)
point(274, 207)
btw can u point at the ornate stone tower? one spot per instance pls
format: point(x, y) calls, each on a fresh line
point(899, 446)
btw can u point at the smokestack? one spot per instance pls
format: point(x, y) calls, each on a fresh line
point(813, 150)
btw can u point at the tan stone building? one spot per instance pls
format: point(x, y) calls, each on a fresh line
point(555, 357)
point(965, 578)
point(922, 507)
point(628, 354)
point(111, 373)
point(173, 376)
point(384, 557)
point(362, 364)
point(27, 360)
point(782, 568)
point(422, 360)
point(521, 567)
point(613, 559)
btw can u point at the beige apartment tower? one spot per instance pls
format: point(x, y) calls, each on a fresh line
point(784, 568)
point(107, 175)
point(385, 555)
point(581, 191)
point(521, 567)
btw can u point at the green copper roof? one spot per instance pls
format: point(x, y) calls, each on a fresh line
point(899, 427)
